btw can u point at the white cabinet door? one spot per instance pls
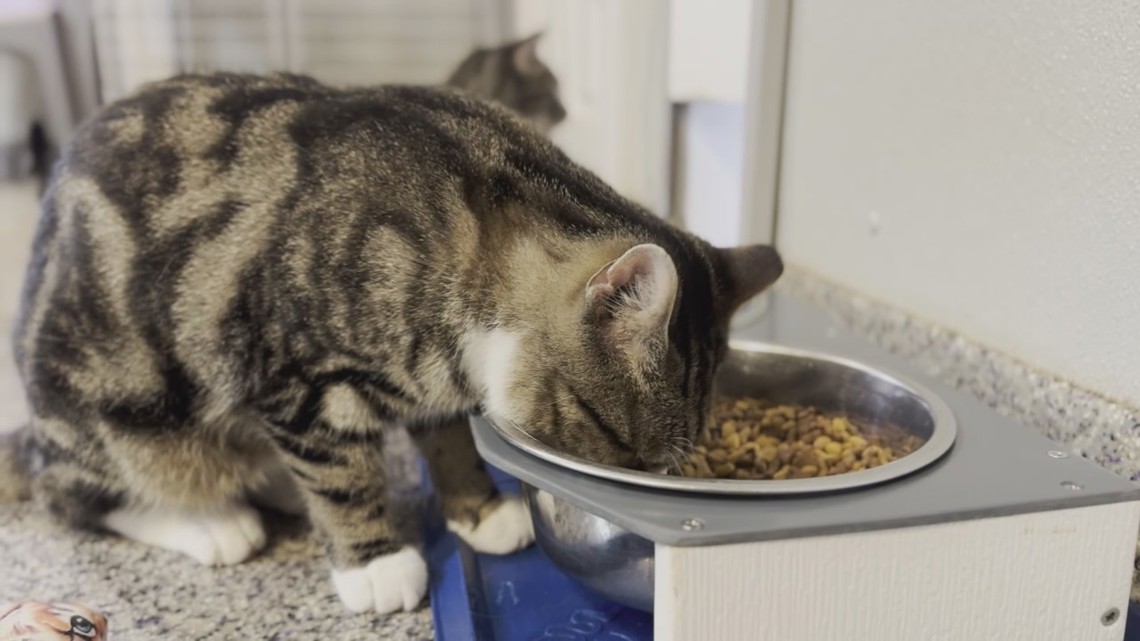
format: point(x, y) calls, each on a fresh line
point(727, 68)
point(708, 50)
point(611, 61)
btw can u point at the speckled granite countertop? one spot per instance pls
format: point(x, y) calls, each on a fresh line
point(147, 593)
point(1097, 428)
point(285, 594)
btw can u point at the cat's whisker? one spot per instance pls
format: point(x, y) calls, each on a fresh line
point(677, 456)
point(683, 445)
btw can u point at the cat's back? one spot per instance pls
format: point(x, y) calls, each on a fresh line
point(169, 199)
point(194, 118)
point(255, 137)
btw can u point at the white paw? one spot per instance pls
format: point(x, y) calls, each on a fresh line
point(505, 530)
point(388, 583)
point(223, 537)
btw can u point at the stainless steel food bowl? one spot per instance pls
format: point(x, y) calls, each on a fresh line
point(795, 376)
point(619, 564)
point(597, 553)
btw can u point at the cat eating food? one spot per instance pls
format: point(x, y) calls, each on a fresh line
point(238, 283)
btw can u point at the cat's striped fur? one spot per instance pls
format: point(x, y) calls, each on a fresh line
point(513, 76)
point(238, 282)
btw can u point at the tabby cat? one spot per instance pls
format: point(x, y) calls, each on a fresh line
point(239, 283)
point(513, 76)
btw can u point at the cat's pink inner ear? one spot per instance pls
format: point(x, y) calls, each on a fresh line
point(598, 288)
point(638, 288)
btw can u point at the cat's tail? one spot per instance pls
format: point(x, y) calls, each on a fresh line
point(17, 453)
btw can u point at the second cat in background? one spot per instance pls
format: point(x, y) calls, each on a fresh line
point(512, 75)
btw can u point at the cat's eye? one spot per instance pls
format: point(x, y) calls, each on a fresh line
point(82, 626)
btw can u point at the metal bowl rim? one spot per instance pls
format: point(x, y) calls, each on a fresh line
point(941, 439)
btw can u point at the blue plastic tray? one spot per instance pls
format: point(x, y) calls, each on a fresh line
point(1132, 623)
point(519, 597)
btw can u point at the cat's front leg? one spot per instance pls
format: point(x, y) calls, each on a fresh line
point(334, 450)
point(475, 511)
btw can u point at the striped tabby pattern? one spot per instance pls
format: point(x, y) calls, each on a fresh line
point(239, 282)
point(513, 76)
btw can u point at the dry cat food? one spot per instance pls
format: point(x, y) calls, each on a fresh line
point(754, 439)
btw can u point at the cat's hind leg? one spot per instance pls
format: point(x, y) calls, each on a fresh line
point(225, 535)
point(276, 489)
point(183, 493)
point(77, 494)
point(189, 493)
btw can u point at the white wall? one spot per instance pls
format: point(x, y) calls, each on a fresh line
point(708, 76)
point(342, 42)
point(136, 42)
point(708, 50)
point(382, 41)
point(610, 60)
point(19, 100)
point(998, 146)
point(710, 170)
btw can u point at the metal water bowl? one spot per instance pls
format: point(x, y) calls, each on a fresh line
point(619, 564)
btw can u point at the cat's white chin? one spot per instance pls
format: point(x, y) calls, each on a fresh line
point(489, 360)
point(505, 530)
point(392, 582)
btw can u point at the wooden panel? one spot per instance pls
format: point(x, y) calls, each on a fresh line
point(1045, 575)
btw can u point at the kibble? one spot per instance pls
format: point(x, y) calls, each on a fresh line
point(753, 439)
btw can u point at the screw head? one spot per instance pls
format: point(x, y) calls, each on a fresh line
point(1112, 615)
point(692, 525)
point(1070, 485)
point(1057, 454)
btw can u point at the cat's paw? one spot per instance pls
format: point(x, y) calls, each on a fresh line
point(223, 537)
point(506, 529)
point(388, 583)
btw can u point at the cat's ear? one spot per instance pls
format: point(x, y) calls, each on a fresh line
point(631, 301)
point(524, 55)
point(748, 271)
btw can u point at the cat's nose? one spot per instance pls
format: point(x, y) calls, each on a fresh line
point(656, 459)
